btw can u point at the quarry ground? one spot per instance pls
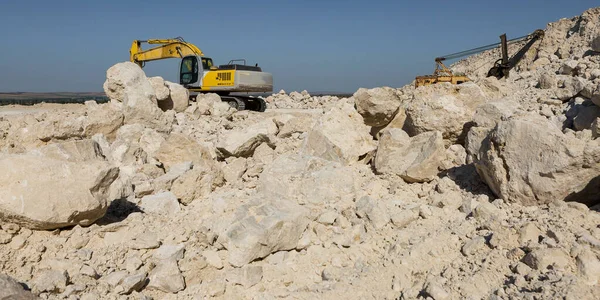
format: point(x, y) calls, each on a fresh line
point(483, 190)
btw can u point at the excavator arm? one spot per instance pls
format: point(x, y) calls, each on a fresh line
point(500, 69)
point(503, 65)
point(169, 48)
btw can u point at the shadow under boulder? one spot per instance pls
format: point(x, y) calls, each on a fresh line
point(117, 211)
point(12, 289)
point(590, 193)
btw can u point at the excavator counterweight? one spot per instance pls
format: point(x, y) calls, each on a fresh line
point(199, 75)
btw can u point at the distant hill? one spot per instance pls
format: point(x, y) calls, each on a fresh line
point(53, 95)
point(29, 98)
point(338, 94)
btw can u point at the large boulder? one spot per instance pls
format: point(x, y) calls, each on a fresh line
point(150, 140)
point(475, 137)
point(495, 88)
point(242, 142)
point(125, 77)
point(596, 96)
point(490, 113)
point(127, 83)
point(307, 179)
point(569, 87)
point(53, 127)
point(568, 67)
point(485, 119)
point(166, 277)
point(595, 127)
point(164, 181)
point(377, 106)
point(211, 104)
point(595, 44)
point(542, 259)
point(164, 203)
point(197, 183)
point(102, 118)
point(178, 99)
point(415, 159)
point(160, 88)
point(547, 81)
point(77, 150)
point(126, 148)
point(530, 161)
point(586, 115)
point(44, 193)
point(398, 120)
point(296, 124)
point(443, 107)
point(264, 228)
point(178, 148)
point(340, 135)
point(11, 289)
point(135, 144)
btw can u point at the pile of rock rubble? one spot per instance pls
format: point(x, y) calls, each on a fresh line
point(488, 189)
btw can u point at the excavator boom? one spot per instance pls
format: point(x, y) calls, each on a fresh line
point(503, 66)
point(171, 48)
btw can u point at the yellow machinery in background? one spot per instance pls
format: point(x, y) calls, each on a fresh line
point(199, 75)
point(500, 69)
point(441, 74)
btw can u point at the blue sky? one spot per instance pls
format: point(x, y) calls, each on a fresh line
point(328, 45)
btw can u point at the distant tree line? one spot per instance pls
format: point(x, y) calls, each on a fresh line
point(32, 101)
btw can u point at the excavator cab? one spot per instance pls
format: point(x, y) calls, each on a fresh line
point(198, 74)
point(207, 63)
point(189, 71)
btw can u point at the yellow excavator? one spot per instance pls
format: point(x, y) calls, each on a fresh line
point(441, 74)
point(500, 69)
point(199, 75)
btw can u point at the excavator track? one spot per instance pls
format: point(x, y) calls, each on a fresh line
point(246, 103)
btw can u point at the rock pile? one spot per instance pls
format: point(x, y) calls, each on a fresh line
point(487, 189)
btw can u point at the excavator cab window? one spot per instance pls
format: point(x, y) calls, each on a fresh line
point(189, 70)
point(207, 63)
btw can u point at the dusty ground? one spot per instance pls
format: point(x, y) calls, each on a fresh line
point(486, 190)
point(11, 110)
